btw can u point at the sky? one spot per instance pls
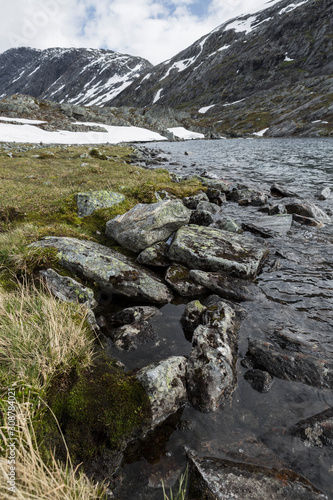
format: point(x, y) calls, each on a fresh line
point(153, 29)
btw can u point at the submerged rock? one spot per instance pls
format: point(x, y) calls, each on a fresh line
point(146, 224)
point(291, 365)
point(324, 193)
point(260, 381)
point(220, 479)
point(210, 372)
point(316, 430)
point(112, 271)
point(306, 209)
point(192, 317)
point(164, 383)
point(87, 203)
point(216, 250)
point(281, 192)
point(269, 226)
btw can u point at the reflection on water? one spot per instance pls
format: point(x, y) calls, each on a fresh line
point(299, 303)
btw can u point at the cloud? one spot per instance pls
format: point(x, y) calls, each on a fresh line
point(154, 29)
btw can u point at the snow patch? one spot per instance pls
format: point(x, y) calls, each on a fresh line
point(235, 102)
point(261, 132)
point(205, 109)
point(157, 95)
point(291, 7)
point(21, 120)
point(241, 25)
point(182, 133)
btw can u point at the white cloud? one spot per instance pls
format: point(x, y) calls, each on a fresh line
point(154, 29)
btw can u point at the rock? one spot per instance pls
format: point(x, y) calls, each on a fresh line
point(256, 200)
point(278, 209)
point(207, 206)
point(216, 196)
point(156, 255)
point(192, 317)
point(67, 289)
point(191, 202)
point(316, 430)
point(178, 277)
point(216, 250)
point(131, 327)
point(146, 224)
point(323, 194)
point(112, 271)
point(226, 224)
point(288, 365)
point(247, 196)
point(164, 383)
point(228, 287)
point(269, 226)
point(87, 203)
point(201, 218)
point(210, 373)
point(260, 381)
point(282, 192)
point(306, 209)
point(306, 221)
point(220, 184)
point(220, 479)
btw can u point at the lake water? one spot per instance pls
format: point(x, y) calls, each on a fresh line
point(298, 283)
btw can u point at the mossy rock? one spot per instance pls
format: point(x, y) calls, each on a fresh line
point(99, 410)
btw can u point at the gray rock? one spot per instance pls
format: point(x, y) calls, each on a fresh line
point(261, 381)
point(282, 192)
point(156, 255)
point(216, 250)
point(220, 479)
point(306, 209)
point(191, 202)
point(87, 203)
point(289, 365)
point(269, 226)
point(201, 218)
point(210, 373)
point(192, 317)
point(216, 196)
point(316, 430)
point(178, 277)
point(226, 224)
point(164, 383)
point(228, 287)
point(306, 221)
point(130, 328)
point(278, 209)
point(207, 206)
point(112, 271)
point(323, 194)
point(146, 224)
point(220, 184)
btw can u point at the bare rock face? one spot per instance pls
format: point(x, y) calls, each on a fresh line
point(164, 383)
point(146, 224)
point(211, 249)
point(112, 271)
point(210, 372)
point(87, 203)
point(219, 479)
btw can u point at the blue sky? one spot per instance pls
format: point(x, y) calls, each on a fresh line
point(154, 29)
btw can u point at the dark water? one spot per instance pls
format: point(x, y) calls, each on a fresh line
point(299, 291)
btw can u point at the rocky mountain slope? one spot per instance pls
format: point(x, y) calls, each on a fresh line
point(270, 69)
point(77, 76)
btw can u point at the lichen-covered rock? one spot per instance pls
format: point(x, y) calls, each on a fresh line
point(164, 383)
point(112, 271)
point(212, 249)
point(191, 202)
point(316, 430)
point(146, 224)
point(156, 255)
point(201, 218)
point(178, 277)
point(192, 317)
point(226, 224)
point(228, 287)
point(210, 372)
point(220, 479)
point(131, 327)
point(290, 365)
point(67, 289)
point(88, 202)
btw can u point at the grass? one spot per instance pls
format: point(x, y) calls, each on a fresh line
point(181, 491)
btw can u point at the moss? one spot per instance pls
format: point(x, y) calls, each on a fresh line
point(100, 408)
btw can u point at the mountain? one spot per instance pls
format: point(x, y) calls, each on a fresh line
point(270, 69)
point(77, 76)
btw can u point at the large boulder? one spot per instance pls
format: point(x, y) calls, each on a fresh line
point(210, 373)
point(145, 224)
point(164, 383)
point(112, 271)
point(219, 479)
point(212, 249)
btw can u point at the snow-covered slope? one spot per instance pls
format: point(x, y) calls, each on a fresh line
point(78, 76)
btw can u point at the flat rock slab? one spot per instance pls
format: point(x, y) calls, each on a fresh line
point(87, 203)
point(270, 225)
point(146, 224)
point(178, 277)
point(290, 365)
point(164, 383)
point(219, 479)
point(112, 271)
point(212, 249)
